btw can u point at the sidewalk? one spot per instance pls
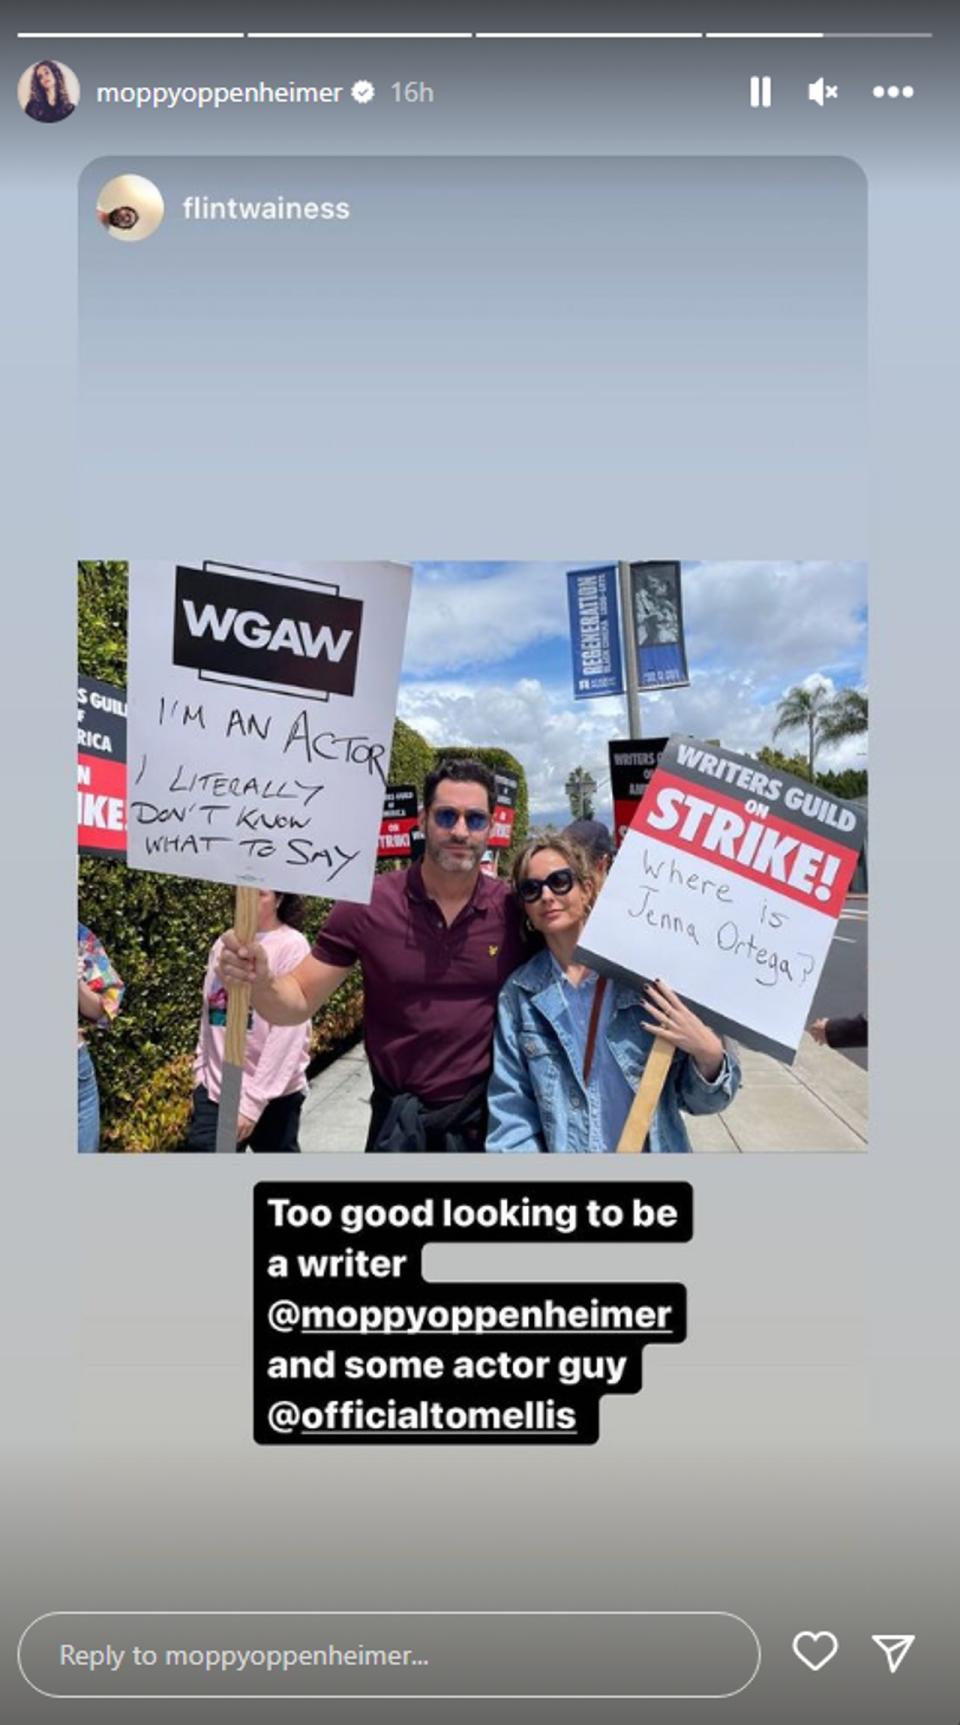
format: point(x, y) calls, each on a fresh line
point(819, 1103)
point(336, 1113)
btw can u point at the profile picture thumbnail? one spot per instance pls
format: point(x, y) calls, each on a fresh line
point(130, 207)
point(48, 91)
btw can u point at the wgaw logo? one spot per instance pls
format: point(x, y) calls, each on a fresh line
point(253, 632)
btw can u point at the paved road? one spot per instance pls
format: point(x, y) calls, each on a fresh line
point(842, 990)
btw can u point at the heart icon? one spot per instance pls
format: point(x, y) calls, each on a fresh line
point(815, 1647)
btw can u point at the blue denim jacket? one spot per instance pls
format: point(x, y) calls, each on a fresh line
point(537, 1099)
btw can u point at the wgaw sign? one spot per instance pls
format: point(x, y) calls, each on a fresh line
point(266, 633)
point(261, 710)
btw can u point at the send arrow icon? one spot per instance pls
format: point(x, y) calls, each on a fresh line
point(895, 1648)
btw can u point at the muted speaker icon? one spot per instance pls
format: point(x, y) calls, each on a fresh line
point(821, 92)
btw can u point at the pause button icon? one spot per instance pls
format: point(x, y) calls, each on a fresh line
point(761, 92)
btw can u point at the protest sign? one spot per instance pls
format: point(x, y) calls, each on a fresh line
point(261, 718)
point(400, 814)
point(632, 763)
point(501, 829)
point(728, 885)
point(101, 768)
point(595, 632)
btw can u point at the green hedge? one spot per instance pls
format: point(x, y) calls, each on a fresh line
point(102, 621)
point(411, 757)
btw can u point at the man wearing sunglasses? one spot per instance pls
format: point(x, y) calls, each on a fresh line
point(435, 944)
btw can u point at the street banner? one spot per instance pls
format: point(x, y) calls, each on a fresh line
point(632, 764)
point(658, 624)
point(595, 632)
point(101, 768)
point(501, 830)
point(400, 815)
point(261, 710)
point(728, 885)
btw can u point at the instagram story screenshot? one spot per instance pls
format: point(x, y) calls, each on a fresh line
point(482, 653)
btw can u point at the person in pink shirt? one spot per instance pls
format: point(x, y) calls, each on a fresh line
point(274, 1082)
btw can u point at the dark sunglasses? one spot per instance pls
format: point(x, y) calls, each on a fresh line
point(475, 818)
point(560, 882)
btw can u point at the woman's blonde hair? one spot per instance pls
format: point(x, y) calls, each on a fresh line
point(573, 855)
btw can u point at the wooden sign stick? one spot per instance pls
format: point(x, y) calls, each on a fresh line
point(637, 1124)
point(245, 914)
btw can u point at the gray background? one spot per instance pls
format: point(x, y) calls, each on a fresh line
point(795, 1461)
point(501, 328)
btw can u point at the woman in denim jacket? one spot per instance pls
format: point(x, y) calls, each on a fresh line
point(570, 1047)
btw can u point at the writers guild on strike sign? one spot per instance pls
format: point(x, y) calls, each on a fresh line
point(400, 810)
point(101, 768)
point(728, 884)
point(633, 763)
point(501, 827)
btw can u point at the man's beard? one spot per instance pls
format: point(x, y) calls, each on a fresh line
point(455, 859)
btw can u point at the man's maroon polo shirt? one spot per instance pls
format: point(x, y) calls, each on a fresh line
point(430, 992)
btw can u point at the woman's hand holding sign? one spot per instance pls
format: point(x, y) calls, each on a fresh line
point(682, 1028)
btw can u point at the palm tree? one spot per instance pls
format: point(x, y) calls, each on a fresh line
point(826, 717)
point(803, 708)
point(847, 716)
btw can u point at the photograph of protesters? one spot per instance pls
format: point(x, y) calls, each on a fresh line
point(99, 993)
point(48, 98)
point(402, 992)
point(570, 1046)
point(435, 945)
point(275, 1063)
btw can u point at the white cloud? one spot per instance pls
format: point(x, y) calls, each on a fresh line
point(771, 621)
point(754, 630)
point(550, 734)
point(534, 723)
point(775, 621)
point(458, 620)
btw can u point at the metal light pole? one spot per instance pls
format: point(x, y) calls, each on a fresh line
point(631, 669)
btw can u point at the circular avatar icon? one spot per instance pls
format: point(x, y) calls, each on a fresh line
point(48, 91)
point(130, 207)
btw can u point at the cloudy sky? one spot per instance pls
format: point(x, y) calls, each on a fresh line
point(488, 661)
